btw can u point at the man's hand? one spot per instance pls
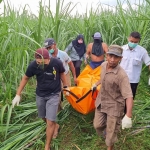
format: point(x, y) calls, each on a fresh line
point(75, 81)
point(85, 62)
point(126, 122)
point(66, 92)
point(16, 101)
point(86, 56)
point(93, 88)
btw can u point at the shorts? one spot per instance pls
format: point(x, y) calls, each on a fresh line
point(112, 125)
point(94, 65)
point(48, 106)
point(68, 79)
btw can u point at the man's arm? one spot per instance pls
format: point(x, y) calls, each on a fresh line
point(98, 82)
point(22, 84)
point(126, 92)
point(105, 47)
point(88, 51)
point(129, 106)
point(63, 79)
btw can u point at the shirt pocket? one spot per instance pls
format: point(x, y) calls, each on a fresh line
point(111, 87)
point(136, 61)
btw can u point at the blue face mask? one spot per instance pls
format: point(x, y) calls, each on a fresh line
point(132, 45)
point(51, 51)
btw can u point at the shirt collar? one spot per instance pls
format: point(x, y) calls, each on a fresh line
point(115, 70)
point(127, 48)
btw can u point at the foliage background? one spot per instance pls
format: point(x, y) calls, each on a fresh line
point(21, 34)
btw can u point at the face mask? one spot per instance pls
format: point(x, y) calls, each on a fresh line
point(51, 51)
point(132, 45)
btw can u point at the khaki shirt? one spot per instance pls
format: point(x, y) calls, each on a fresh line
point(115, 88)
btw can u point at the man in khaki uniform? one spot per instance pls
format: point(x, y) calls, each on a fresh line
point(110, 103)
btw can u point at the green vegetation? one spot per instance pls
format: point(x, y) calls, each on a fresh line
point(21, 34)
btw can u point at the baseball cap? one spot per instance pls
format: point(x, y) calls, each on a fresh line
point(42, 53)
point(115, 50)
point(48, 42)
point(97, 35)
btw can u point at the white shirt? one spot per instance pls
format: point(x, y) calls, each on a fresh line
point(63, 56)
point(132, 62)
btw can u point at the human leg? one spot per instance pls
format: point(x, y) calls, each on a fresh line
point(99, 121)
point(113, 127)
point(134, 87)
point(51, 113)
point(77, 65)
point(49, 133)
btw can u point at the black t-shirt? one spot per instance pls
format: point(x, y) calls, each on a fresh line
point(48, 79)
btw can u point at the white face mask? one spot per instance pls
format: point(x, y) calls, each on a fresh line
point(80, 41)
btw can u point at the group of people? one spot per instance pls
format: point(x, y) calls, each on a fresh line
point(120, 75)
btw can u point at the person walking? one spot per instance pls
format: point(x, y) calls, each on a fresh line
point(76, 50)
point(134, 56)
point(110, 102)
point(48, 72)
point(96, 50)
point(51, 46)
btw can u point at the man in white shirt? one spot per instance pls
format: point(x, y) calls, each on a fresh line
point(51, 46)
point(134, 56)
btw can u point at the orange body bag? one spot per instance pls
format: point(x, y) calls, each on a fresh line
point(81, 97)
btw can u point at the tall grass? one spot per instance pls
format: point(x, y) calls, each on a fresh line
point(21, 34)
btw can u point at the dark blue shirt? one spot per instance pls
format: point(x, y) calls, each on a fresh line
point(48, 77)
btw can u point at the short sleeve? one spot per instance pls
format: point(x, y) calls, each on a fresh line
point(125, 88)
point(29, 71)
point(61, 67)
point(146, 59)
point(66, 58)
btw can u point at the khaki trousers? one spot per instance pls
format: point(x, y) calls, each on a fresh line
point(110, 123)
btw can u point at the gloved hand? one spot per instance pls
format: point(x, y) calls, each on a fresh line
point(93, 88)
point(126, 122)
point(66, 92)
point(16, 101)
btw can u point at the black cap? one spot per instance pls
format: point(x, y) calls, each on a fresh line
point(48, 42)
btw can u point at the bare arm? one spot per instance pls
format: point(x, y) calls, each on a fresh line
point(98, 82)
point(105, 47)
point(63, 78)
point(88, 50)
point(72, 69)
point(129, 105)
point(22, 84)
